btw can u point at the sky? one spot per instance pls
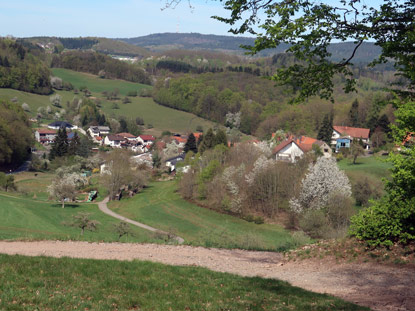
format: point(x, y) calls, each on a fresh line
point(111, 18)
point(107, 18)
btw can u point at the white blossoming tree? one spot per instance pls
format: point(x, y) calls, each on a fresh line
point(323, 179)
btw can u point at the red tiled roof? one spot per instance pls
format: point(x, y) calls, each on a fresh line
point(115, 138)
point(46, 131)
point(126, 135)
point(197, 135)
point(354, 132)
point(282, 145)
point(147, 137)
point(180, 139)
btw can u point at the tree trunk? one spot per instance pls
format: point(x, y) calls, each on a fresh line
point(63, 203)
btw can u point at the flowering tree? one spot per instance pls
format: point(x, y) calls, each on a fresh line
point(323, 179)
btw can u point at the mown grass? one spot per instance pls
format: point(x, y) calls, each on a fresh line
point(374, 166)
point(161, 206)
point(28, 219)
point(40, 283)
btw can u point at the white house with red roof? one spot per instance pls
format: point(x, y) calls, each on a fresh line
point(293, 149)
point(146, 139)
point(352, 133)
point(114, 141)
point(128, 136)
point(45, 136)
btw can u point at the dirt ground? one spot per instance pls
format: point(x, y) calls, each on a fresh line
point(377, 286)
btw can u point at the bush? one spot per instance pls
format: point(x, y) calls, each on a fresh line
point(132, 93)
point(339, 211)
point(385, 222)
point(146, 92)
point(364, 190)
point(314, 223)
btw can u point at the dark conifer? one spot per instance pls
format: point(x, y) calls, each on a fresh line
point(190, 144)
point(208, 141)
point(74, 145)
point(221, 138)
point(354, 114)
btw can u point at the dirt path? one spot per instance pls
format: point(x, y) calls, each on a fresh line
point(104, 208)
point(379, 287)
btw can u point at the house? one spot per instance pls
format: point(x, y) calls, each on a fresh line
point(61, 124)
point(288, 150)
point(172, 162)
point(128, 136)
point(294, 148)
point(98, 131)
point(343, 142)
point(114, 141)
point(351, 132)
point(146, 139)
point(45, 136)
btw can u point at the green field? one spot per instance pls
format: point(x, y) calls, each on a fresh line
point(162, 207)
point(96, 84)
point(41, 283)
point(28, 219)
point(374, 167)
point(160, 117)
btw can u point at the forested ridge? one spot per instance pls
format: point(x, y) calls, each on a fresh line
point(20, 69)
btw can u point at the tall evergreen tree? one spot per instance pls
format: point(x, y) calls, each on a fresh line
point(354, 114)
point(208, 141)
point(383, 123)
point(221, 138)
point(74, 145)
point(190, 144)
point(60, 144)
point(326, 130)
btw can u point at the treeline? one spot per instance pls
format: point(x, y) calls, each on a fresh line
point(99, 64)
point(22, 70)
point(212, 96)
point(77, 43)
point(15, 134)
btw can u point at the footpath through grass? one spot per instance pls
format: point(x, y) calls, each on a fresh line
point(162, 207)
point(27, 219)
point(40, 283)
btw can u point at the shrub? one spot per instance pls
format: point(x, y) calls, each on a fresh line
point(314, 223)
point(339, 211)
point(132, 93)
point(385, 222)
point(364, 190)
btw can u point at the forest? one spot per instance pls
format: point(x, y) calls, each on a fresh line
point(20, 69)
point(16, 136)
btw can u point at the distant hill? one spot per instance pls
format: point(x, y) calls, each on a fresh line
point(102, 45)
point(195, 41)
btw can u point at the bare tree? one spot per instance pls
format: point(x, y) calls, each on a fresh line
point(82, 221)
point(122, 228)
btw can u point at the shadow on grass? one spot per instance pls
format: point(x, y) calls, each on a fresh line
point(70, 205)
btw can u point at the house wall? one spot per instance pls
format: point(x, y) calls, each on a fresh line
point(290, 153)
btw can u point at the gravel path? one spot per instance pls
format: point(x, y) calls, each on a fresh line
point(104, 208)
point(379, 287)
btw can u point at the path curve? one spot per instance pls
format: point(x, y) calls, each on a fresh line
point(104, 208)
point(377, 286)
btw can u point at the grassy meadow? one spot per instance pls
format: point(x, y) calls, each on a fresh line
point(24, 218)
point(160, 117)
point(41, 283)
point(161, 206)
